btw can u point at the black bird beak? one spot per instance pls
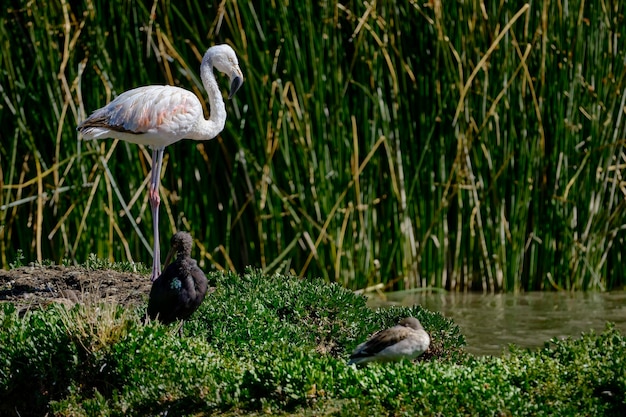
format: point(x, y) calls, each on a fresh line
point(236, 80)
point(168, 258)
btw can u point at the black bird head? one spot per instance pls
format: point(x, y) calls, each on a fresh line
point(180, 245)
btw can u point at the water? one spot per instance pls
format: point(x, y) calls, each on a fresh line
point(491, 322)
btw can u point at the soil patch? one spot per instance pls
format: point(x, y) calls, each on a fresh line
point(32, 286)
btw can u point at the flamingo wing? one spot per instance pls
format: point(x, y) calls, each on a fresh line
point(166, 112)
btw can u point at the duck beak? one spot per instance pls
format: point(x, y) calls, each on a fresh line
point(236, 80)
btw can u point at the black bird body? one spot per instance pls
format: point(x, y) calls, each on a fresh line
point(180, 289)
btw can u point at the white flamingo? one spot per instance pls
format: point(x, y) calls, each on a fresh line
point(159, 115)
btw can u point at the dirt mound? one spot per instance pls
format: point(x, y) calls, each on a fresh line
point(31, 286)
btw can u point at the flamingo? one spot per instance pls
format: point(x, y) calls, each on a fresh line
point(178, 292)
point(159, 115)
point(406, 340)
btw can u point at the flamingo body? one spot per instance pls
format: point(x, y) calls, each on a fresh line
point(160, 115)
point(156, 115)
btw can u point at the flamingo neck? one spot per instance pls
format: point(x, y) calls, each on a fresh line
point(208, 129)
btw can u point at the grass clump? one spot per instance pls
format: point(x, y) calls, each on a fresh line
point(95, 263)
point(19, 260)
point(279, 344)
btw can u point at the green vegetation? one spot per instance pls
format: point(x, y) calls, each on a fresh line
point(400, 142)
point(278, 344)
point(95, 263)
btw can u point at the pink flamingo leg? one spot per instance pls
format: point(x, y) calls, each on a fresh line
point(155, 200)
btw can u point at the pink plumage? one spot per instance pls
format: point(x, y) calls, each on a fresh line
point(154, 115)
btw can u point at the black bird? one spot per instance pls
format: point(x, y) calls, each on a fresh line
point(180, 289)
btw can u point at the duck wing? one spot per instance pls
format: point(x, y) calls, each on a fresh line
point(380, 341)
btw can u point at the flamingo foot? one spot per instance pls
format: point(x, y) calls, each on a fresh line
point(155, 274)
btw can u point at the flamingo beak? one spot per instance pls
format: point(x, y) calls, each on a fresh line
point(236, 80)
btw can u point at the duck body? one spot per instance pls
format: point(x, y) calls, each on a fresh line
point(407, 340)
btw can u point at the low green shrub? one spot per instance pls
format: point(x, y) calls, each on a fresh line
point(573, 375)
point(253, 309)
point(37, 359)
point(277, 344)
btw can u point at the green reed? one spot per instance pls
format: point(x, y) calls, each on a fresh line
point(403, 143)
